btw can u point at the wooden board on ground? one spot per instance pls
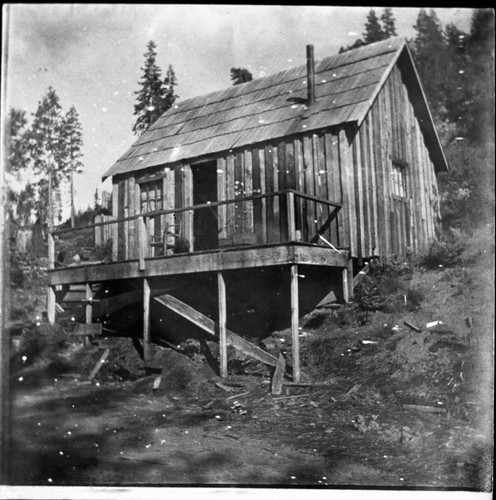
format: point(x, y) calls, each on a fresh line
point(84, 329)
point(278, 376)
point(99, 364)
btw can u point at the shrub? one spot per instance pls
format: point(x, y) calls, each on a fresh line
point(444, 254)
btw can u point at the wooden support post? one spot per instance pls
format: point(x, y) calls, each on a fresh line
point(291, 217)
point(89, 305)
point(222, 324)
point(350, 278)
point(295, 322)
point(51, 304)
point(146, 321)
point(51, 251)
point(346, 288)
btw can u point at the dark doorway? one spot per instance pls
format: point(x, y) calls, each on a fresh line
point(205, 225)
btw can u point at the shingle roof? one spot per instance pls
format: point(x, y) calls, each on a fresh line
point(265, 109)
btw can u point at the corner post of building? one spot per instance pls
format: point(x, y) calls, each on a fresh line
point(222, 324)
point(146, 321)
point(295, 322)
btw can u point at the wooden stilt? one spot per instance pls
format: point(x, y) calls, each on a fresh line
point(89, 309)
point(350, 279)
point(89, 305)
point(146, 321)
point(295, 322)
point(222, 324)
point(51, 304)
point(346, 294)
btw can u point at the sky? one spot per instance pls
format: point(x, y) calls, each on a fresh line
point(91, 54)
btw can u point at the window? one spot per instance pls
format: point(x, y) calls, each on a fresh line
point(151, 196)
point(398, 179)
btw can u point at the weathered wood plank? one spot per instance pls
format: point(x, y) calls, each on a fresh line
point(269, 188)
point(309, 187)
point(278, 376)
point(258, 205)
point(146, 321)
point(99, 365)
point(230, 213)
point(131, 188)
point(357, 172)
point(115, 215)
point(221, 286)
point(209, 326)
point(295, 316)
point(301, 223)
point(248, 191)
point(51, 301)
point(283, 172)
point(83, 329)
point(188, 201)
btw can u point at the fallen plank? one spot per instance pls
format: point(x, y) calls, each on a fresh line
point(278, 376)
point(208, 325)
point(85, 329)
point(99, 364)
point(295, 396)
point(413, 327)
point(300, 384)
point(223, 387)
point(238, 395)
point(428, 409)
point(157, 382)
point(359, 277)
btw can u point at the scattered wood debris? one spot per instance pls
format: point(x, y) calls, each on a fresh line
point(99, 364)
point(428, 409)
point(412, 326)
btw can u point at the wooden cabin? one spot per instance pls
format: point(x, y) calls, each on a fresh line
point(250, 204)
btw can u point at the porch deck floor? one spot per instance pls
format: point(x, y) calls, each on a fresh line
point(207, 261)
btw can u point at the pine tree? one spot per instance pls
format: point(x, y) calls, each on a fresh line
point(240, 75)
point(73, 142)
point(47, 151)
point(20, 202)
point(429, 50)
point(388, 22)
point(373, 31)
point(156, 95)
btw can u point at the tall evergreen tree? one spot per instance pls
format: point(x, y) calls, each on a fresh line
point(47, 150)
point(20, 201)
point(388, 22)
point(430, 55)
point(156, 95)
point(73, 141)
point(240, 75)
point(373, 30)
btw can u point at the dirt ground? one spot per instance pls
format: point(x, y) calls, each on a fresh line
point(393, 408)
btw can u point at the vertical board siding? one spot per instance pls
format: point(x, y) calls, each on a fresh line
point(269, 187)
point(132, 223)
point(221, 196)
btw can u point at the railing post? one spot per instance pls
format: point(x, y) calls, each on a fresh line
point(290, 198)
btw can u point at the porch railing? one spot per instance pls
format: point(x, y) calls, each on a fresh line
point(281, 217)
